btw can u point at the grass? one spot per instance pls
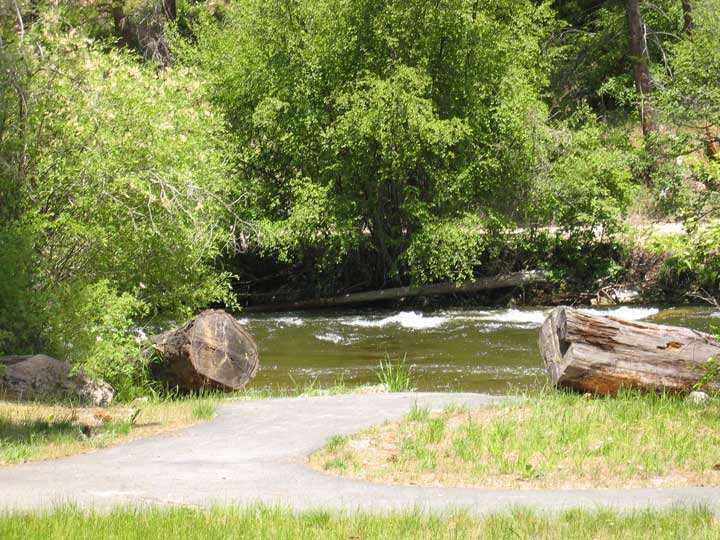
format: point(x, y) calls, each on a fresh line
point(552, 440)
point(268, 523)
point(36, 431)
point(395, 376)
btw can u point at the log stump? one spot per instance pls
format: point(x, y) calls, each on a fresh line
point(601, 355)
point(212, 351)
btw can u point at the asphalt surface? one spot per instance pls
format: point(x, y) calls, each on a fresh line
point(254, 451)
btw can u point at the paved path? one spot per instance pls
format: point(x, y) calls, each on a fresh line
point(254, 451)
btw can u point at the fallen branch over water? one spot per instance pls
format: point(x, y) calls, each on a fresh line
point(516, 279)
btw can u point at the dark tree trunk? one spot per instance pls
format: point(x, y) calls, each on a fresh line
point(637, 38)
point(507, 281)
point(687, 16)
point(211, 351)
point(123, 27)
point(601, 355)
point(170, 9)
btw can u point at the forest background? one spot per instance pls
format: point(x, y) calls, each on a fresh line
point(161, 156)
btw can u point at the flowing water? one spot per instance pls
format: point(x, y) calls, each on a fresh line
point(482, 350)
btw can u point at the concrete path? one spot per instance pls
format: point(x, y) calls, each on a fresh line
point(254, 451)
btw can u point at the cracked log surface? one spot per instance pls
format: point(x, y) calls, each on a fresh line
point(213, 351)
point(603, 354)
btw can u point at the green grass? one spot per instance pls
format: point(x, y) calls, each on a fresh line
point(266, 523)
point(37, 431)
point(396, 376)
point(203, 410)
point(551, 440)
point(336, 442)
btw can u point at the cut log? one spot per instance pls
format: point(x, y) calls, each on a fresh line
point(601, 355)
point(40, 377)
point(506, 281)
point(212, 351)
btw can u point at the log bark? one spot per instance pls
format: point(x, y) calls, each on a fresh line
point(601, 355)
point(212, 351)
point(516, 279)
point(40, 377)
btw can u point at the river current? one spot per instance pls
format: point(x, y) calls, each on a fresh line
point(481, 350)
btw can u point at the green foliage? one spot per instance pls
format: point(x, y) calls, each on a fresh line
point(395, 376)
point(363, 123)
point(692, 259)
point(96, 327)
point(452, 249)
point(116, 198)
point(588, 181)
point(590, 60)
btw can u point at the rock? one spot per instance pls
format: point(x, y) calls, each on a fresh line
point(381, 388)
point(41, 377)
point(697, 398)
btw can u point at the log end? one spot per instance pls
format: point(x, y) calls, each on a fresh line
point(213, 351)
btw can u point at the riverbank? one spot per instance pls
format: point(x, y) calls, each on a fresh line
point(640, 262)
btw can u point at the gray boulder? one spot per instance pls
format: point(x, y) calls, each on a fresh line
point(40, 377)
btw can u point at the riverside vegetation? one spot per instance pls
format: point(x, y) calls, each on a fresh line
point(551, 440)
point(158, 157)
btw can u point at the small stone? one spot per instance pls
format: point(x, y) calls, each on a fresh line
point(697, 398)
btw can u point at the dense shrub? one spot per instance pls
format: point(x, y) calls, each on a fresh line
point(120, 198)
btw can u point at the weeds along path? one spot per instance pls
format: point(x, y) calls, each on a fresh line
point(254, 451)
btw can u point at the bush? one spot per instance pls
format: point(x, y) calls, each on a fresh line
point(120, 199)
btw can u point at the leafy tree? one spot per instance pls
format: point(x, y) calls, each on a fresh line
point(368, 119)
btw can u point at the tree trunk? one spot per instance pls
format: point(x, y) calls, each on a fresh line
point(41, 377)
point(124, 29)
point(169, 9)
point(517, 279)
point(604, 354)
point(687, 16)
point(637, 38)
point(211, 351)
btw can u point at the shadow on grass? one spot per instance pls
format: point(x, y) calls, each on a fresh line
point(29, 431)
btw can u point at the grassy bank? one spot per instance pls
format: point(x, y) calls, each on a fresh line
point(554, 440)
point(35, 431)
point(276, 524)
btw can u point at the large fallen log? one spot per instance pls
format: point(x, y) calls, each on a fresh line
point(211, 351)
point(39, 377)
point(604, 354)
point(504, 281)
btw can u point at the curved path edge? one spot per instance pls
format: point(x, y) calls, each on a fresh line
point(254, 451)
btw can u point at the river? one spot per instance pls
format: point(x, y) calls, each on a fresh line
point(481, 350)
